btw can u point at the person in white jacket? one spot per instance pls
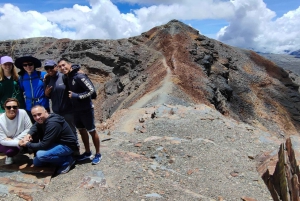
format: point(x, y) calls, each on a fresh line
point(14, 125)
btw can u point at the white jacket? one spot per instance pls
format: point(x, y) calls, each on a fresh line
point(23, 125)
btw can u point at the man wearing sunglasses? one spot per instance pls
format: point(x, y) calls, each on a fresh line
point(56, 90)
point(14, 125)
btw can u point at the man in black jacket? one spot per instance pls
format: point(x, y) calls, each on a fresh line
point(56, 143)
point(80, 92)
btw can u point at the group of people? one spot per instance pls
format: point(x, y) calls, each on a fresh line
point(26, 123)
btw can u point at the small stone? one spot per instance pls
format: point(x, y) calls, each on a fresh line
point(234, 174)
point(251, 156)
point(248, 199)
point(138, 144)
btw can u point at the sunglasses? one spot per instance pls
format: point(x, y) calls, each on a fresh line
point(28, 64)
point(9, 107)
point(49, 67)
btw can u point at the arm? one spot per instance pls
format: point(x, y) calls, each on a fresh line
point(33, 130)
point(51, 135)
point(27, 125)
point(2, 135)
point(47, 88)
point(86, 84)
point(28, 137)
point(7, 141)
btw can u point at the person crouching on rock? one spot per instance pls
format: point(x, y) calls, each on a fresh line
point(14, 125)
point(56, 140)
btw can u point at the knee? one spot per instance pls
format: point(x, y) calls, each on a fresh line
point(41, 155)
point(37, 162)
point(12, 151)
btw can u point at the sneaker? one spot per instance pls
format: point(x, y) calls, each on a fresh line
point(97, 159)
point(66, 167)
point(84, 156)
point(8, 160)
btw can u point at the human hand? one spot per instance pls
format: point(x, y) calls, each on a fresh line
point(48, 90)
point(70, 94)
point(8, 138)
point(27, 138)
point(22, 143)
point(45, 77)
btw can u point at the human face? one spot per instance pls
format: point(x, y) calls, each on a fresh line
point(64, 67)
point(39, 114)
point(51, 70)
point(11, 109)
point(7, 67)
point(28, 67)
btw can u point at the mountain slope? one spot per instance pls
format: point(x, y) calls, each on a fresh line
point(175, 106)
point(238, 83)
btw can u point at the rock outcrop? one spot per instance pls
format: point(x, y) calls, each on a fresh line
point(281, 172)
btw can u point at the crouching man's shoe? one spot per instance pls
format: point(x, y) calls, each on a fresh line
point(66, 167)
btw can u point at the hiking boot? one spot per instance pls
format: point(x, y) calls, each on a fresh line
point(66, 167)
point(85, 156)
point(8, 160)
point(97, 159)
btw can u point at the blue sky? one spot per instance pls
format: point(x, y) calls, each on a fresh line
point(262, 25)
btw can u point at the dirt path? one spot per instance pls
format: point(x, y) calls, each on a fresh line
point(160, 96)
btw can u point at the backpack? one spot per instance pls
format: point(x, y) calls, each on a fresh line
point(65, 81)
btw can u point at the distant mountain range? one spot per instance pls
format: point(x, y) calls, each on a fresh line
point(296, 53)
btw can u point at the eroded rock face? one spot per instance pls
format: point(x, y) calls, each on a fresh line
point(182, 67)
point(281, 172)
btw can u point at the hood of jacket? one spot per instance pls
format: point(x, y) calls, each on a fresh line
point(55, 118)
point(75, 69)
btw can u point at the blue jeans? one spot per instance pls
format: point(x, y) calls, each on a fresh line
point(56, 155)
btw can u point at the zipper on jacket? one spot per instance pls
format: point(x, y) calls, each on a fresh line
point(32, 96)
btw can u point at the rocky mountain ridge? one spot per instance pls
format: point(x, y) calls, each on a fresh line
point(174, 66)
point(238, 83)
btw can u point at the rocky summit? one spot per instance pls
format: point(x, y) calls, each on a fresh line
point(181, 116)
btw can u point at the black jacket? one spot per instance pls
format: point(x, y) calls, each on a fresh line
point(55, 130)
point(82, 88)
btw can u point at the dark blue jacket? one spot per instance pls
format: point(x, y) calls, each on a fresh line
point(61, 103)
point(82, 89)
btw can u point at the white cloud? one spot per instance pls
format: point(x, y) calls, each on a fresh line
point(16, 24)
point(252, 26)
point(251, 23)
